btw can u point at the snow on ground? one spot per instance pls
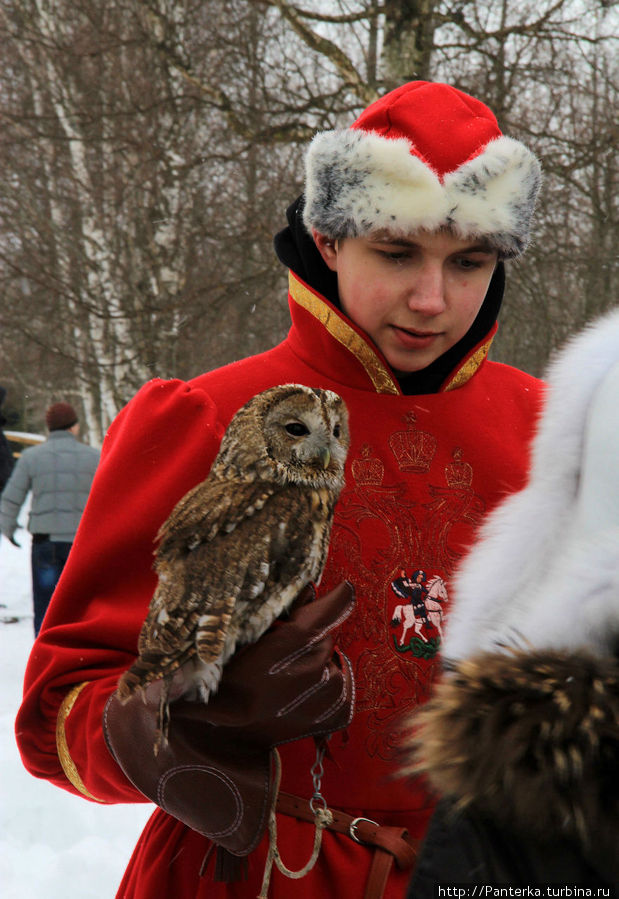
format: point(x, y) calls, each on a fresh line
point(52, 843)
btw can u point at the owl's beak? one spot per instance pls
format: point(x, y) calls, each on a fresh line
point(325, 456)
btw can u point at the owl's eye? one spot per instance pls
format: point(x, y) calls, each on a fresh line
point(296, 429)
point(336, 431)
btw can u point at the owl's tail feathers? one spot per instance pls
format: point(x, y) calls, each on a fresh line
point(133, 682)
point(163, 717)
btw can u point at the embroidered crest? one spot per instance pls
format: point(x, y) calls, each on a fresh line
point(368, 469)
point(398, 537)
point(413, 449)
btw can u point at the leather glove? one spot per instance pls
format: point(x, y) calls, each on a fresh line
point(215, 774)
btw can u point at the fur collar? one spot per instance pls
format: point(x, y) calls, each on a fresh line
point(532, 740)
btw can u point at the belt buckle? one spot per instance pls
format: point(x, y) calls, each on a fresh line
point(352, 830)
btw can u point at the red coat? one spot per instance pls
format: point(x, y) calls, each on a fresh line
point(422, 471)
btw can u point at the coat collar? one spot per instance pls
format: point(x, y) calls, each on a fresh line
point(61, 435)
point(353, 352)
point(530, 740)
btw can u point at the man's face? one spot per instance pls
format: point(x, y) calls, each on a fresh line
point(414, 296)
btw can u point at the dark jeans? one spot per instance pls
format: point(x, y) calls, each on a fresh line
point(48, 560)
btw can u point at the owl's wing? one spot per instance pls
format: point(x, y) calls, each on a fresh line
point(301, 529)
point(209, 508)
point(192, 606)
point(208, 543)
point(286, 547)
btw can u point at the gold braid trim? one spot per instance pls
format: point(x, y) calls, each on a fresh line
point(68, 765)
point(344, 334)
point(469, 368)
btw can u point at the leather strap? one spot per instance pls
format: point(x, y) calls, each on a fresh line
point(389, 843)
point(382, 861)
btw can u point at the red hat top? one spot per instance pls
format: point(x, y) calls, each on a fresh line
point(444, 126)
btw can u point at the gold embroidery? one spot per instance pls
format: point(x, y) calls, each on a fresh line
point(469, 368)
point(413, 449)
point(68, 765)
point(367, 470)
point(344, 334)
point(459, 474)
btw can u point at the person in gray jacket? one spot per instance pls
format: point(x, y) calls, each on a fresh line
point(59, 474)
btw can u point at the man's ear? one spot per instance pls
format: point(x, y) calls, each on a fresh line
point(327, 249)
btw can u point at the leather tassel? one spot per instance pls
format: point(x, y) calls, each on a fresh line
point(230, 868)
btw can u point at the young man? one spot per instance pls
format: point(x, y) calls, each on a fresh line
point(396, 257)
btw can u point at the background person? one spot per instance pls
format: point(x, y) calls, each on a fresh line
point(59, 474)
point(521, 739)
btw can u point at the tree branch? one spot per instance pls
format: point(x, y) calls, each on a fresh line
point(347, 71)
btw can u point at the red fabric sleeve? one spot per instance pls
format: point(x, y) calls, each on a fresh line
point(160, 445)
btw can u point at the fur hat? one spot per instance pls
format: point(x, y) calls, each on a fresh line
point(60, 416)
point(423, 156)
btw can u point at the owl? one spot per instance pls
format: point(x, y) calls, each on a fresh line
point(237, 549)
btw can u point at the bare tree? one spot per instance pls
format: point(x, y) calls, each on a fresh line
point(408, 41)
point(546, 70)
point(150, 148)
point(133, 221)
point(102, 195)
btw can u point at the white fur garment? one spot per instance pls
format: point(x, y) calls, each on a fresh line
point(545, 569)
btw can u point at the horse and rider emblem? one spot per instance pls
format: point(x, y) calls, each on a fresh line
point(418, 619)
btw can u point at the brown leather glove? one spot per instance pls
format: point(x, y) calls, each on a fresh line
point(215, 773)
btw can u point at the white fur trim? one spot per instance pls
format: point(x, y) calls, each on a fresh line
point(358, 182)
point(494, 194)
point(545, 572)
